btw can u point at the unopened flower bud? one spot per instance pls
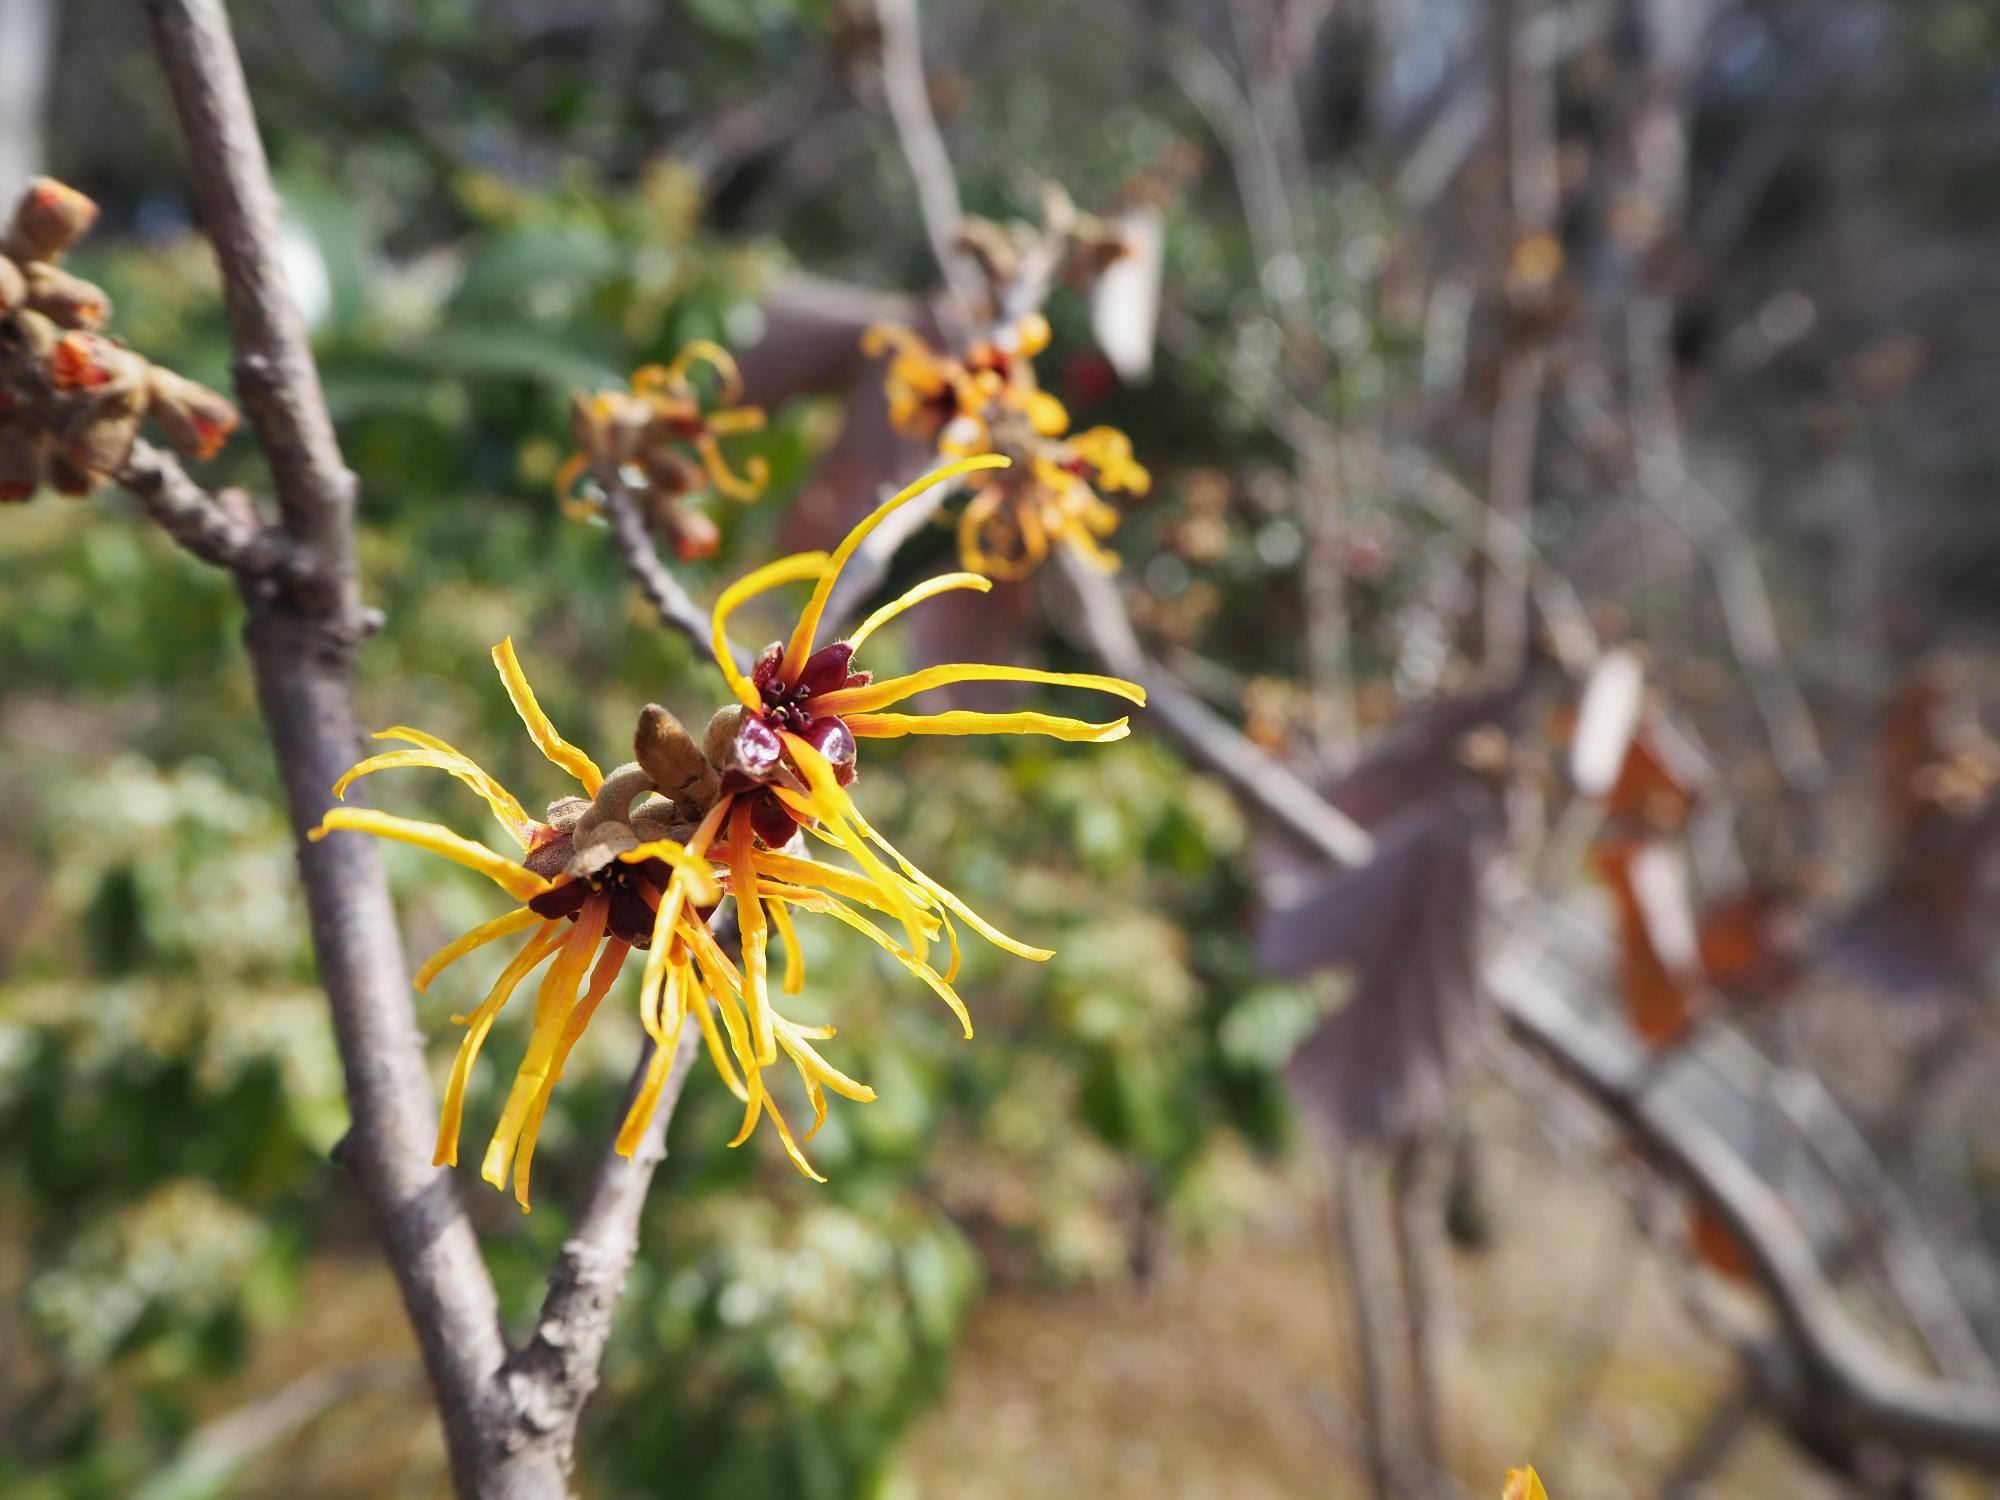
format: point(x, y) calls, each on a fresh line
point(68, 300)
point(738, 741)
point(195, 419)
point(833, 739)
point(50, 217)
point(23, 458)
point(13, 286)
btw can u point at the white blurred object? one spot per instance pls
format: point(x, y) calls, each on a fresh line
point(1125, 303)
point(306, 276)
point(27, 56)
point(1606, 720)
point(1660, 887)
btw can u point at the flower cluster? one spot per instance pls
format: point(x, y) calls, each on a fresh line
point(71, 398)
point(660, 443)
point(988, 401)
point(644, 857)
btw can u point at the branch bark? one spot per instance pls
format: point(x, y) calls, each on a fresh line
point(550, 1377)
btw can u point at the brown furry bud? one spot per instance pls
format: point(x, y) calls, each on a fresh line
point(65, 299)
point(13, 286)
point(673, 762)
point(99, 439)
point(23, 458)
point(50, 217)
point(28, 334)
point(195, 419)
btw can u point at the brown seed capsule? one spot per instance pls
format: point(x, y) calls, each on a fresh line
point(195, 419)
point(65, 299)
point(673, 762)
point(13, 286)
point(50, 217)
point(23, 458)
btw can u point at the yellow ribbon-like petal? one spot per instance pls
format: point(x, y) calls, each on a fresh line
point(441, 757)
point(553, 1006)
point(930, 588)
point(755, 931)
point(801, 643)
point(702, 889)
point(831, 805)
point(667, 917)
point(891, 726)
point(451, 1117)
point(658, 1068)
point(540, 730)
point(795, 960)
point(517, 880)
point(819, 902)
point(894, 689)
point(479, 937)
point(610, 962)
point(794, 569)
point(952, 902)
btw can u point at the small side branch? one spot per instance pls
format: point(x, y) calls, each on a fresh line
point(676, 609)
point(1257, 776)
point(550, 1377)
point(908, 94)
point(222, 529)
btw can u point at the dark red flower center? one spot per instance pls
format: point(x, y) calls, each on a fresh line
point(634, 890)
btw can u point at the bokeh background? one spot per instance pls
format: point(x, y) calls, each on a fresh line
point(1090, 1253)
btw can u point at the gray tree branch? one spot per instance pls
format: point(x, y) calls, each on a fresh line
point(301, 635)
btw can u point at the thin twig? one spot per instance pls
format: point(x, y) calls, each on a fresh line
point(1527, 129)
point(909, 97)
point(550, 1377)
point(1257, 776)
point(677, 611)
point(1368, 1295)
point(220, 529)
point(1416, 1225)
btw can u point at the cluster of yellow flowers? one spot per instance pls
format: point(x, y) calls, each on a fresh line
point(659, 441)
point(643, 858)
point(988, 401)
